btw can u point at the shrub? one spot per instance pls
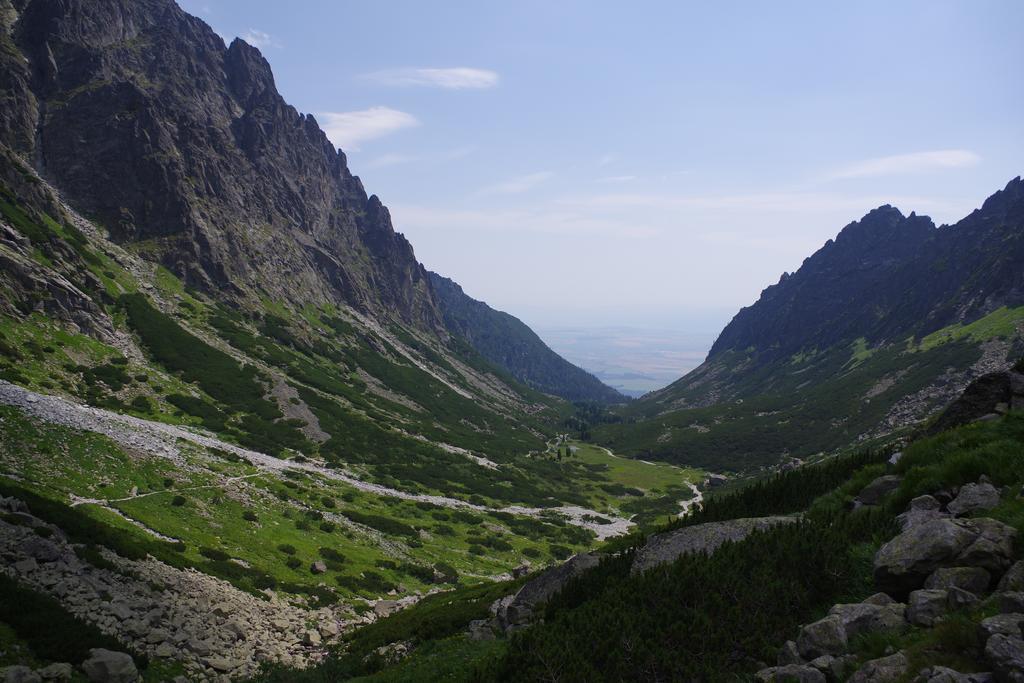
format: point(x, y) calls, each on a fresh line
point(178, 501)
point(293, 563)
point(287, 549)
point(214, 554)
point(250, 516)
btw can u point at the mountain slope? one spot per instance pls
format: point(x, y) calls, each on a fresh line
point(874, 332)
point(507, 342)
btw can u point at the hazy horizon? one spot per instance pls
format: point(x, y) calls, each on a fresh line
point(582, 165)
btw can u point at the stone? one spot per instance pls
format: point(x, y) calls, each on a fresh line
point(20, 674)
point(942, 674)
point(221, 664)
point(1001, 624)
point(42, 550)
point(521, 570)
point(61, 671)
point(120, 610)
point(882, 670)
point(973, 579)
point(318, 567)
point(480, 629)
point(199, 646)
point(1010, 602)
point(791, 673)
point(1006, 656)
point(958, 599)
point(881, 599)
point(789, 654)
point(385, 607)
point(974, 498)
point(823, 637)
point(699, 538)
point(26, 566)
point(312, 638)
point(165, 650)
point(107, 666)
point(223, 609)
point(1013, 579)
point(926, 607)
point(903, 564)
point(860, 617)
point(875, 492)
point(236, 629)
point(517, 609)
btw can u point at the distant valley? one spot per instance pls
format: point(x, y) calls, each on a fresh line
point(633, 360)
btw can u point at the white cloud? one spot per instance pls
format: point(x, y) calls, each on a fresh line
point(605, 160)
point(617, 179)
point(348, 129)
point(260, 39)
point(457, 78)
point(518, 184)
point(908, 163)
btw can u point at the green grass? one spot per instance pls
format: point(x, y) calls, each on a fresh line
point(1002, 322)
point(634, 473)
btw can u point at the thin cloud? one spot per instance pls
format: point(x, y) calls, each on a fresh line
point(385, 160)
point(617, 179)
point(908, 163)
point(260, 39)
point(351, 128)
point(456, 78)
point(519, 184)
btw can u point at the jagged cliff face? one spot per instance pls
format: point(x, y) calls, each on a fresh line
point(887, 277)
point(875, 331)
point(147, 123)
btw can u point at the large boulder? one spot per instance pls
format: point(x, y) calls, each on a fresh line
point(927, 607)
point(1006, 656)
point(882, 670)
point(107, 666)
point(791, 673)
point(1013, 579)
point(903, 564)
point(1000, 624)
point(973, 579)
point(942, 674)
point(974, 498)
point(517, 610)
point(981, 398)
point(875, 492)
point(671, 545)
point(862, 617)
point(823, 637)
point(19, 674)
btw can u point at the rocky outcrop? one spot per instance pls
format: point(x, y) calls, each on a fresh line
point(904, 563)
point(105, 666)
point(165, 135)
point(989, 395)
point(700, 538)
point(167, 613)
point(518, 610)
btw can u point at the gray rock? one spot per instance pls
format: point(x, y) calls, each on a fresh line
point(1000, 624)
point(1010, 602)
point(861, 617)
point(875, 492)
point(881, 599)
point(20, 674)
point(791, 673)
point(42, 550)
point(481, 629)
point(107, 666)
point(926, 607)
point(974, 498)
point(221, 664)
point(823, 637)
point(385, 607)
point(1006, 656)
point(789, 654)
point(667, 547)
point(903, 563)
point(882, 670)
point(973, 579)
point(517, 610)
point(312, 638)
point(61, 671)
point(26, 566)
point(318, 567)
point(1013, 579)
point(942, 674)
point(958, 598)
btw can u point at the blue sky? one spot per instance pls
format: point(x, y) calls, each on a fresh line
point(647, 163)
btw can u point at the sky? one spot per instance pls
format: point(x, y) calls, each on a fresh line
point(648, 163)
